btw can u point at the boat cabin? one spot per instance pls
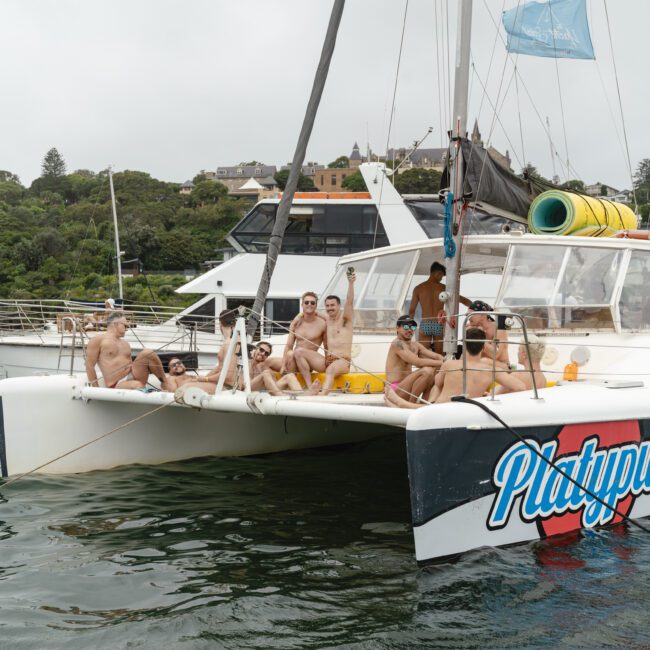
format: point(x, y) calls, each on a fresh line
point(568, 284)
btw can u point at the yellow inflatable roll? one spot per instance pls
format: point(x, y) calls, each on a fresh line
point(565, 213)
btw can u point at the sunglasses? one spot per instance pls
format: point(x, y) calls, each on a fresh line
point(264, 351)
point(176, 364)
point(409, 327)
point(308, 302)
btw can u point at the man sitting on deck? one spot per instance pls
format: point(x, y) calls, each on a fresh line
point(403, 354)
point(537, 348)
point(427, 295)
point(113, 356)
point(263, 377)
point(449, 380)
point(307, 330)
point(338, 338)
point(489, 324)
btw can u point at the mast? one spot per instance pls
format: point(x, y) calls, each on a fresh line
point(458, 131)
point(282, 216)
point(118, 254)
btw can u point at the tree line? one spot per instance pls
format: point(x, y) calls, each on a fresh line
point(57, 239)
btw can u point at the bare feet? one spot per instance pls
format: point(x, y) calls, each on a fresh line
point(314, 389)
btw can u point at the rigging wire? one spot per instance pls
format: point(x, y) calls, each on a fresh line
point(392, 114)
point(620, 104)
point(559, 89)
point(438, 80)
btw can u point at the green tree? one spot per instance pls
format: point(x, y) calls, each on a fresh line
point(305, 183)
point(574, 184)
point(418, 181)
point(354, 183)
point(252, 163)
point(208, 192)
point(53, 164)
point(342, 162)
point(199, 178)
point(603, 189)
point(8, 177)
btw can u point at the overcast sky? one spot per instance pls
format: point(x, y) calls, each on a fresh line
point(173, 87)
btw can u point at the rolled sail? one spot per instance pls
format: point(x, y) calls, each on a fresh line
point(564, 213)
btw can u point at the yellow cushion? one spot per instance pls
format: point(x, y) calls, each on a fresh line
point(352, 382)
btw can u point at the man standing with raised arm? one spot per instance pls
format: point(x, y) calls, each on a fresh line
point(338, 341)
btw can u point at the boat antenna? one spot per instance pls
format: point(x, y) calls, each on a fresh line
point(282, 217)
point(118, 253)
point(454, 199)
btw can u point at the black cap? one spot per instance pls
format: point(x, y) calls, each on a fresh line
point(479, 305)
point(405, 319)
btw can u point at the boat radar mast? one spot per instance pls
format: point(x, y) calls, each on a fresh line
point(455, 200)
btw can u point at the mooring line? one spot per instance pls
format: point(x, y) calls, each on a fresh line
point(86, 444)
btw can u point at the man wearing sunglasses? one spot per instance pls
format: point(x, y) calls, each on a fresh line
point(405, 353)
point(306, 332)
point(263, 378)
point(177, 375)
point(112, 354)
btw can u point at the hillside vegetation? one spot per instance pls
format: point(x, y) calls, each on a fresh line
point(57, 239)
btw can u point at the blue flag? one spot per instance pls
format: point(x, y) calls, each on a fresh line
point(554, 28)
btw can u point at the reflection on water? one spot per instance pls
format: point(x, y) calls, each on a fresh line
point(294, 550)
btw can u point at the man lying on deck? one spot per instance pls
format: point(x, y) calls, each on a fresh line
point(338, 337)
point(403, 354)
point(177, 375)
point(113, 356)
point(449, 380)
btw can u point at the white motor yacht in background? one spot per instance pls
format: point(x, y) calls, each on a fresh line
point(35, 340)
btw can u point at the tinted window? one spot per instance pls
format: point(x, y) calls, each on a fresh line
point(320, 229)
point(202, 318)
point(430, 215)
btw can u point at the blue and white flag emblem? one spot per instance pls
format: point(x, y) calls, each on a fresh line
point(555, 28)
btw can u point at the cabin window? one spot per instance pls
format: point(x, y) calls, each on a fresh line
point(316, 229)
point(634, 304)
point(202, 318)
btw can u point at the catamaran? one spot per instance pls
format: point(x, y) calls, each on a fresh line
point(494, 471)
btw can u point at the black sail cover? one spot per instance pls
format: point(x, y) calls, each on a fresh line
point(487, 181)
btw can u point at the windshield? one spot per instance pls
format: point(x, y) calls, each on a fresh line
point(561, 286)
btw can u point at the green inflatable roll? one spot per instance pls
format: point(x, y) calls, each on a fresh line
point(564, 213)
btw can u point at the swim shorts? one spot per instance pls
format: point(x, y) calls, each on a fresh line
point(431, 327)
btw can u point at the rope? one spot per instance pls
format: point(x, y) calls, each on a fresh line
point(86, 444)
point(450, 245)
point(516, 434)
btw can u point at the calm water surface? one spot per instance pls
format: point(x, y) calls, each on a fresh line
point(309, 549)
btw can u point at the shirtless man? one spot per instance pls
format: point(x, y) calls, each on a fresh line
point(338, 337)
point(177, 375)
point(264, 377)
point(403, 354)
point(449, 380)
point(307, 330)
point(427, 295)
point(113, 355)
point(537, 348)
point(489, 325)
point(226, 325)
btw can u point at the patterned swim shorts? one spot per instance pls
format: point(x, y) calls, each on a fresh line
point(431, 327)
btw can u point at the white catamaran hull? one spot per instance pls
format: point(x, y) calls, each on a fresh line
point(474, 483)
point(45, 417)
